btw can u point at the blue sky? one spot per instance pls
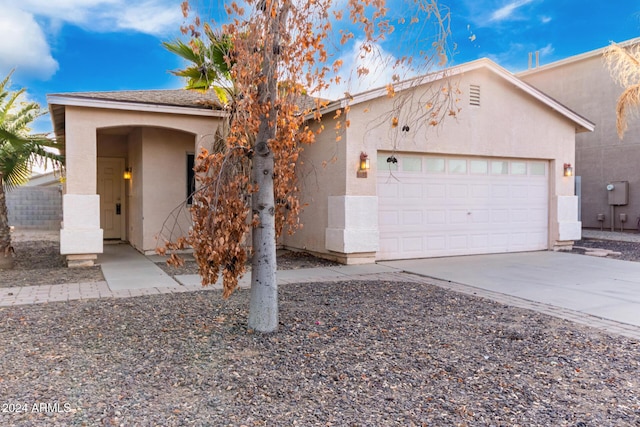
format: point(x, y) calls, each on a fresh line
point(59, 46)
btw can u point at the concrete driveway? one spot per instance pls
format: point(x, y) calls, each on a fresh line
point(601, 287)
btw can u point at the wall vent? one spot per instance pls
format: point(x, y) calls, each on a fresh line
point(474, 95)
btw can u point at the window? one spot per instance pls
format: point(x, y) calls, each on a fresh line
point(435, 165)
point(499, 168)
point(518, 168)
point(457, 166)
point(386, 162)
point(411, 164)
point(537, 168)
point(191, 177)
point(479, 167)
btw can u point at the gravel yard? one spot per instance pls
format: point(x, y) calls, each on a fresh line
point(349, 353)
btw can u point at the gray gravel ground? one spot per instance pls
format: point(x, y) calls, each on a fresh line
point(629, 251)
point(347, 354)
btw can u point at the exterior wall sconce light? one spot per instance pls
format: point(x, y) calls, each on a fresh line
point(568, 170)
point(127, 174)
point(364, 165)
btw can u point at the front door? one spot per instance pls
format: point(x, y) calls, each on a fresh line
point(111, 191)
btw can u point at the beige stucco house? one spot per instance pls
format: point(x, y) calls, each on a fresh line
point(490, 180)
point(603, 162)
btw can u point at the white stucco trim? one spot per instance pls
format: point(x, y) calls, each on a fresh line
point(81, 232)
point(76, 242)
point(569, 228)
point(352, 224)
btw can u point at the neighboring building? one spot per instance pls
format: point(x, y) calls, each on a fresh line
point(490, 180)
point(584, 84)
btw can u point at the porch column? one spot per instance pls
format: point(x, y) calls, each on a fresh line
point(80, 235)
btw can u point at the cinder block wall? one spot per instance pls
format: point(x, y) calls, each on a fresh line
point(35, 208)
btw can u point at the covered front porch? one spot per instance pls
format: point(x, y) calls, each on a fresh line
point(154, 145)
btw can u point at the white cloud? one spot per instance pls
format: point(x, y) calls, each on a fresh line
point(27, 23)
point(150, 18)
point(157, 17)
point(507, 11)
point(545, 19)
point(23, 46)
point(547, 50)
point(379, 63)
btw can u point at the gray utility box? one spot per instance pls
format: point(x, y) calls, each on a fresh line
point(618, 192)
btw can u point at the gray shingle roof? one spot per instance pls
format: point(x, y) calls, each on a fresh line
point(172, 97)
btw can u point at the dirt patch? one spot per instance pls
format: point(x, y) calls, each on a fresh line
point(38, 262)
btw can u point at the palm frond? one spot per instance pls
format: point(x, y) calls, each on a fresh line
point(20, 150)
point(623, 63)
point(183, 50)
point(627, 104)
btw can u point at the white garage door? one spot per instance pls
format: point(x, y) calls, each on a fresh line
point(432, 206)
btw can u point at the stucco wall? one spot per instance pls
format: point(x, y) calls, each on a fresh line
point(134, 190)
point(81, 233)
point(585, 86)
point(509, 123)
point(164, 182)
point(321, 174)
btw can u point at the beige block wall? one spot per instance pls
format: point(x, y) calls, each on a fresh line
point(585, 86)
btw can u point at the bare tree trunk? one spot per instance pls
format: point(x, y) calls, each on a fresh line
point(263, 307)
point(6, 250)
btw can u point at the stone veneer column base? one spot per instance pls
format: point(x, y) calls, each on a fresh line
point(84, 260)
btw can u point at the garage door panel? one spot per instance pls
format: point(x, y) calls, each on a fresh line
point(499, 191)
point(435, 191)
point(412, 245)
point(389, 218)
point(436, 217)
point(499, 240)
point(519, 216)
point(479, 242)
point(458, 242)
point(519, 192)
point(388, 191)
point(538, 192)
point(413, 217)
point(458, 217)
point(500, 216)
point(436, 242)
point(437, 213)
point(538, 216)
point(458, 191)
point(480, 216)
point(412, 191)
point(480, 191)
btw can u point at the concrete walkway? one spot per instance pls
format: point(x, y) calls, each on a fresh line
point(603, 293)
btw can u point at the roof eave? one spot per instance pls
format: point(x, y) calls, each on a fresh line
point(581, 123)
point(75, 101)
